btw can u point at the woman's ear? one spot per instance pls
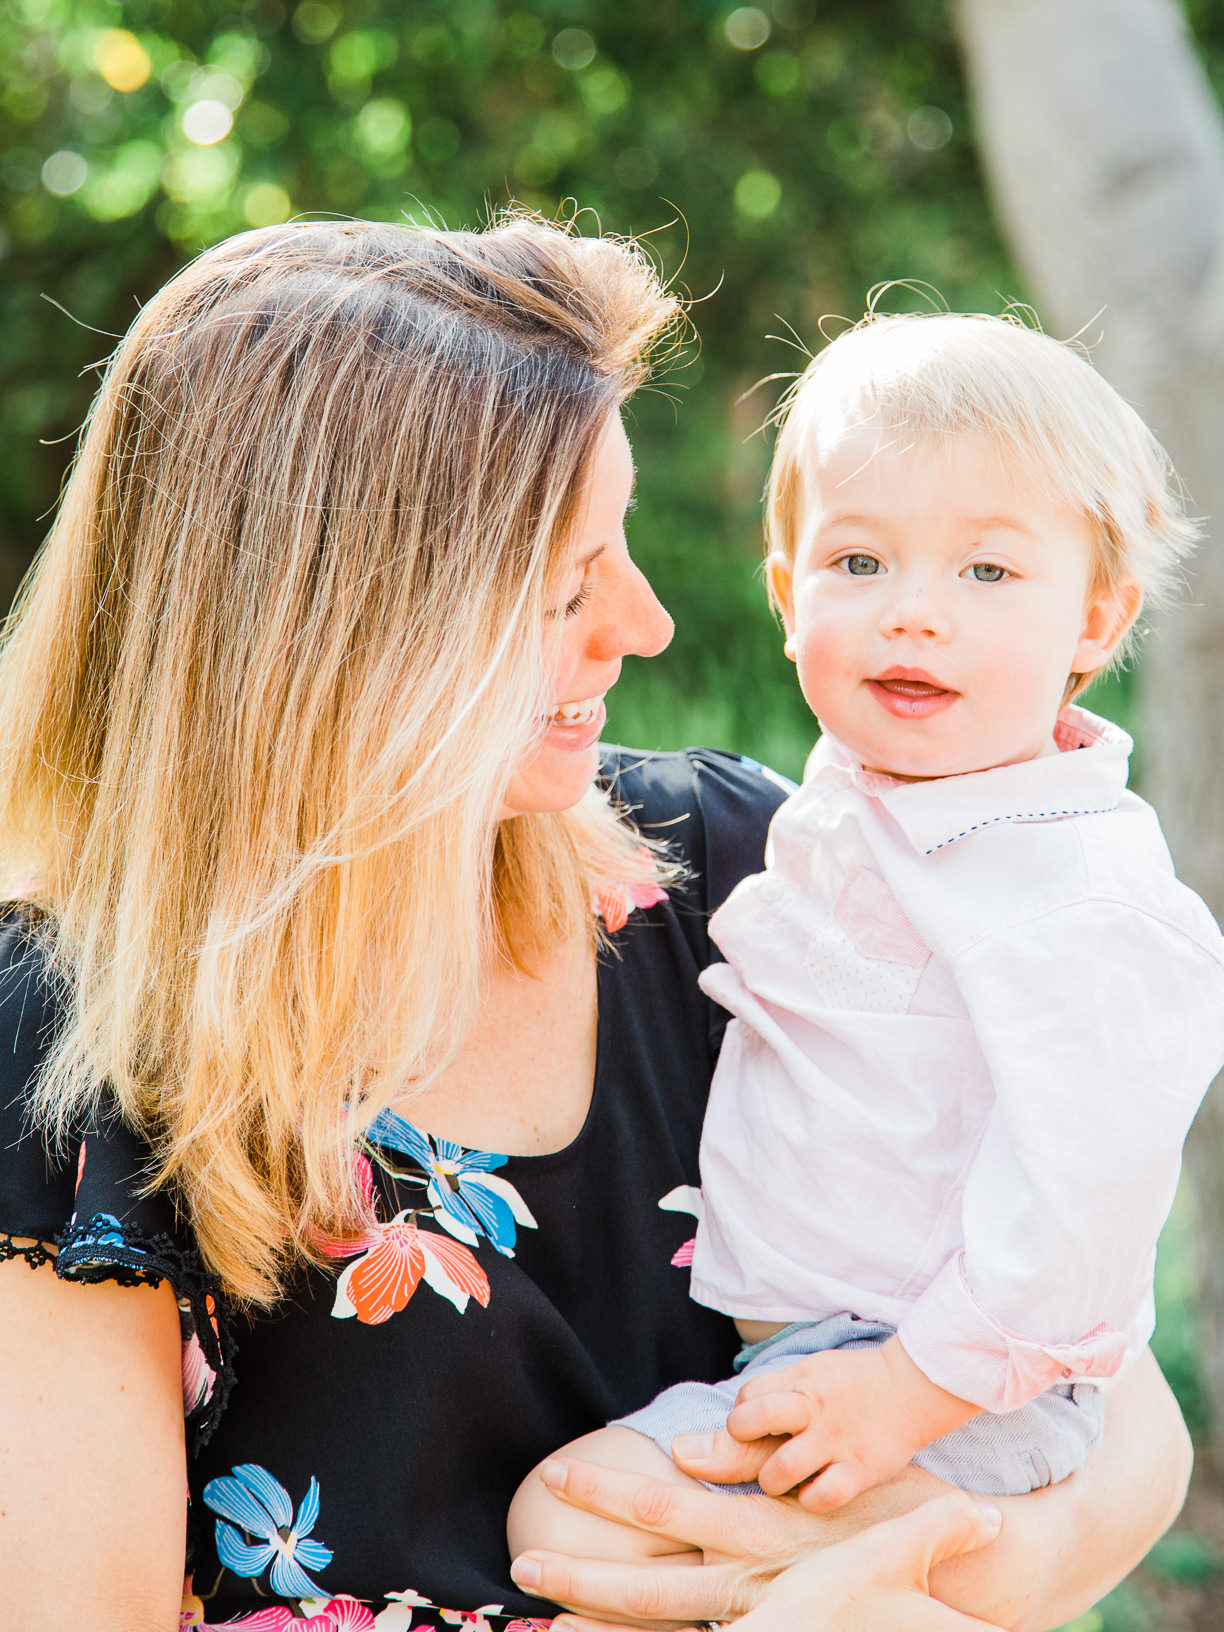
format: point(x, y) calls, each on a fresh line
point(780, 576)
point(1108, 614)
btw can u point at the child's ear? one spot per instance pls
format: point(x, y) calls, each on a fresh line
point(1108, 614)
point(780, 576)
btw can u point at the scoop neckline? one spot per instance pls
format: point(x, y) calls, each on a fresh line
point(602, 1023)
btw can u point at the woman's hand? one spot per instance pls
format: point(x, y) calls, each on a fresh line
point(1058, 1552)
point(879, 1580)
point(767, 1560)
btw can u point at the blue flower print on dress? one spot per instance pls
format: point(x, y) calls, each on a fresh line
point(466, 1197)
point(103, 1230)
point(259, 1505)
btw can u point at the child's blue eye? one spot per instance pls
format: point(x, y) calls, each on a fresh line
point(862, 566)
point(986, 572)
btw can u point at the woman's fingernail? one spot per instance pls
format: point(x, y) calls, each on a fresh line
point(554, 1474)
point(990, 1513)
point(525, 1572)
point(693, 1446)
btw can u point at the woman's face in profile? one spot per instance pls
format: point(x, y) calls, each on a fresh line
point(604, 611)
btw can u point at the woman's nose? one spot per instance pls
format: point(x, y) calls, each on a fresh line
point(633, 622)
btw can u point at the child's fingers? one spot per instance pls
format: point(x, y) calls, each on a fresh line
point(785, 1380)
point(769, 1414)
point(720, 1459)
point(830, 1489)
point(794, 1461)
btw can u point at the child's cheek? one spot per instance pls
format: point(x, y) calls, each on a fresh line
point(823, 668)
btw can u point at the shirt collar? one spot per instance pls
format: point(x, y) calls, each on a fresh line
point(1086, 777)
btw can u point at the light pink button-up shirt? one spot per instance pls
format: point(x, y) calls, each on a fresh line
point(975, 1017)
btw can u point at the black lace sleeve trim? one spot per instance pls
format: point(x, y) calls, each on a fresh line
point(100, 1249)
point(35, 1253)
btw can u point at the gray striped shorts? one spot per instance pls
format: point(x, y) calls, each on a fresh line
point(1041, 1444)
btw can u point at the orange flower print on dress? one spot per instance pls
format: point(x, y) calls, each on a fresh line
point(395, 1258)
point(615, 899)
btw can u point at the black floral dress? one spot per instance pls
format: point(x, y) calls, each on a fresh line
point(353, 1453)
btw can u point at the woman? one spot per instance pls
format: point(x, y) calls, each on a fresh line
point(352, 1101)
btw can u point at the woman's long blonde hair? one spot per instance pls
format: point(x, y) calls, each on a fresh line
point(261, 695)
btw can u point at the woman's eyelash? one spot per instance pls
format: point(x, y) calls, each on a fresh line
point(579, 601)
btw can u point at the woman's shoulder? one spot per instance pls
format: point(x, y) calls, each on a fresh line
point(79, 1199)
point(712, 808)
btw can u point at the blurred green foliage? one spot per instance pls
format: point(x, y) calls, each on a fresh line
point(783, 158)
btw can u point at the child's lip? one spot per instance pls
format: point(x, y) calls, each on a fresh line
point(917, 681)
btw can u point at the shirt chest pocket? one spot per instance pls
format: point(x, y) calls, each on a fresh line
point(867, 956)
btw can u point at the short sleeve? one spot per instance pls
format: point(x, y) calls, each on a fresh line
point(79, 1204)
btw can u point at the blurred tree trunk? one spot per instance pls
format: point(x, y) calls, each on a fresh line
point(1105, 149)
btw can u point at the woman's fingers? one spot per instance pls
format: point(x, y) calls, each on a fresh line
point(634, 1592)
point(752, 1526)
point(954, 1524)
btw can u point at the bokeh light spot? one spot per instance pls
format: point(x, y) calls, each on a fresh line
point(64, 173)
point(747, 28)
point(929, 129)
point(121, 59)
point(382, 127)
point(604, 90)
point(207, 122)
point(313, 22)
point(757, 194)
point(266, 205)
point(635, 168)
point(574, 48)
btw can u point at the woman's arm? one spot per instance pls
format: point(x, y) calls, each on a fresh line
point(1062, 1549)
point(93, 1482)
point(1059, 1550)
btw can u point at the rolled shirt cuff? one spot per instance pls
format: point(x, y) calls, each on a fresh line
point(961, 1347)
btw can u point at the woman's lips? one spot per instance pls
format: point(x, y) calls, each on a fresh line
point(907, 699)
point(576, 726)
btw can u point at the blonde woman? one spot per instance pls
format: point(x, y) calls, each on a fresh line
point(352, 1059)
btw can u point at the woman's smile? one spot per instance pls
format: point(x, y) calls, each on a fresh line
point(576, 726)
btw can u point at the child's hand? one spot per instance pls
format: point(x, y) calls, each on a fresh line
point(851, 1417)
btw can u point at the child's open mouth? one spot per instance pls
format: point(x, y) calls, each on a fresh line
point(910, 696)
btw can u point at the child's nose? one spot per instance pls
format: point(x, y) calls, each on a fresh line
point(917, 609)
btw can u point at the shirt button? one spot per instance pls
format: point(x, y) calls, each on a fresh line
point(1066, 1371)
point(771, 890)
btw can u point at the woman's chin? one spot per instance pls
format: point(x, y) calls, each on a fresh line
point(555, 778)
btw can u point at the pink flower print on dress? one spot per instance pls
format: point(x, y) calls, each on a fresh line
point(615, 899)
point(335, 1615)
point(474, 1619)
point(685, 1198)
point(199, 1378)
point(869, 957)
point(395, 1258)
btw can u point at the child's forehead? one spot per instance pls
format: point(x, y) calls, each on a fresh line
point(930, 488)
point(845, 453)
